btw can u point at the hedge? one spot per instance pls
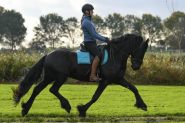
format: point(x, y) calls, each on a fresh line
point(158, 68)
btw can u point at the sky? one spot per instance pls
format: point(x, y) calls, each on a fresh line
point(31, 10)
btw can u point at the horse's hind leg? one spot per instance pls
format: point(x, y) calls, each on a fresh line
point(26, 106)
point(55, 90)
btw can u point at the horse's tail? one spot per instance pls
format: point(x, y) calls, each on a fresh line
point(32, 76)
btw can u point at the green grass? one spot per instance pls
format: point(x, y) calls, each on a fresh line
point(165, 103)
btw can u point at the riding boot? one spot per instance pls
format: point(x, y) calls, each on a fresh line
point(93, 76)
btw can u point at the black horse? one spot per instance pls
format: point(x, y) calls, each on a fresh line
point(57, 66)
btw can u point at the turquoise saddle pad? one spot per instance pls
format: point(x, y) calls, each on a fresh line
point(86, 58)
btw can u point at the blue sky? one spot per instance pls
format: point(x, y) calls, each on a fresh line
point(33, 9)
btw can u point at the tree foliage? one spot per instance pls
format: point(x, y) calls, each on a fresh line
point(174, 19)
point(12, 28)
point(50, 29)
point(151, 26)
point(133, 24)
point(100, 24)
point(1, 23)
point(37, 46)
point(71, 28)
point(53, 28)
point(176, 25)
point(115, 24)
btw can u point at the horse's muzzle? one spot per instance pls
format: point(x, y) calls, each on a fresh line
point(135, 66)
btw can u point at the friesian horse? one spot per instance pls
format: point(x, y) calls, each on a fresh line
point(60, 64)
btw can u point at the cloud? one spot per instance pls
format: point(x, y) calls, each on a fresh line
point(77, 4)
point(31, 10)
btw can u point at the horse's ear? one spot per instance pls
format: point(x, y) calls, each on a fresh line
point(147, 41)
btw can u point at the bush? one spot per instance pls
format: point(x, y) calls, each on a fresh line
point(12, 64)
point(158, 68)
point(161, 69)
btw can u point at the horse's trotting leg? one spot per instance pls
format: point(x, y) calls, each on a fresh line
point(139, 101)
point(55, 90)
point(83, 108)
point(38, 88)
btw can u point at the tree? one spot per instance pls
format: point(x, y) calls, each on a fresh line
point(12, 24)
point(1, 23)
point(133, 24)
point(100, 24)
point(115, 24)
point(2, 9)
point(176, 26)
point(71, 28)
point(37, 45)
point(50, 29)
point(151, 26)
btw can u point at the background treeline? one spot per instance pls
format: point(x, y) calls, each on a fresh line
point(53, 30)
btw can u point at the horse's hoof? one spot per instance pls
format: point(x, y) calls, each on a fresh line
point(66, 106)
point(24, 110)
point(82, 112)
point(16, 101)
point(144, 108)
point(141, 106)
point(68, 109)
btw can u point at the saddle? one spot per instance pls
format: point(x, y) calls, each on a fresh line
point(84, 57)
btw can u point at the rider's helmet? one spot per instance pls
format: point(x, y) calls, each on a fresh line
point(87, 7)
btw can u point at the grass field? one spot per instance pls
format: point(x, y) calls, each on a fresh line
point(165, 104)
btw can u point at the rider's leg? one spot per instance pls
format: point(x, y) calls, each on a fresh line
point(93, 75)
point(93, 49)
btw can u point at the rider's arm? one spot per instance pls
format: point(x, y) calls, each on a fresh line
point(91, 30)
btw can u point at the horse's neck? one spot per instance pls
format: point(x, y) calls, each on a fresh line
point(116, 57)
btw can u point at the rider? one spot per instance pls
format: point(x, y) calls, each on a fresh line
point(90, 36)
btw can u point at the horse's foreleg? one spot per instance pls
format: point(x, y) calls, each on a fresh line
point(63, 101)
point(83, 108)
point(139, 101)
point(26, 106)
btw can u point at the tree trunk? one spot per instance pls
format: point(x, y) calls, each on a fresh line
point(12, 44)
point(53, 45)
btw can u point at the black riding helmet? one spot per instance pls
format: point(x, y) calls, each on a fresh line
point(87, 7)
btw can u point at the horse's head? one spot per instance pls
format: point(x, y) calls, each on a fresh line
point(130, 44)
point(137, 55)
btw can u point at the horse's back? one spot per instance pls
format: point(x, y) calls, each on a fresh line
point(60, 60)
point(65, 62)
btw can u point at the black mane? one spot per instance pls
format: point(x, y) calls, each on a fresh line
point(128, 37)
point(127, 42)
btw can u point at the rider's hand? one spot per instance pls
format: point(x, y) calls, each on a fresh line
point(107, 40)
